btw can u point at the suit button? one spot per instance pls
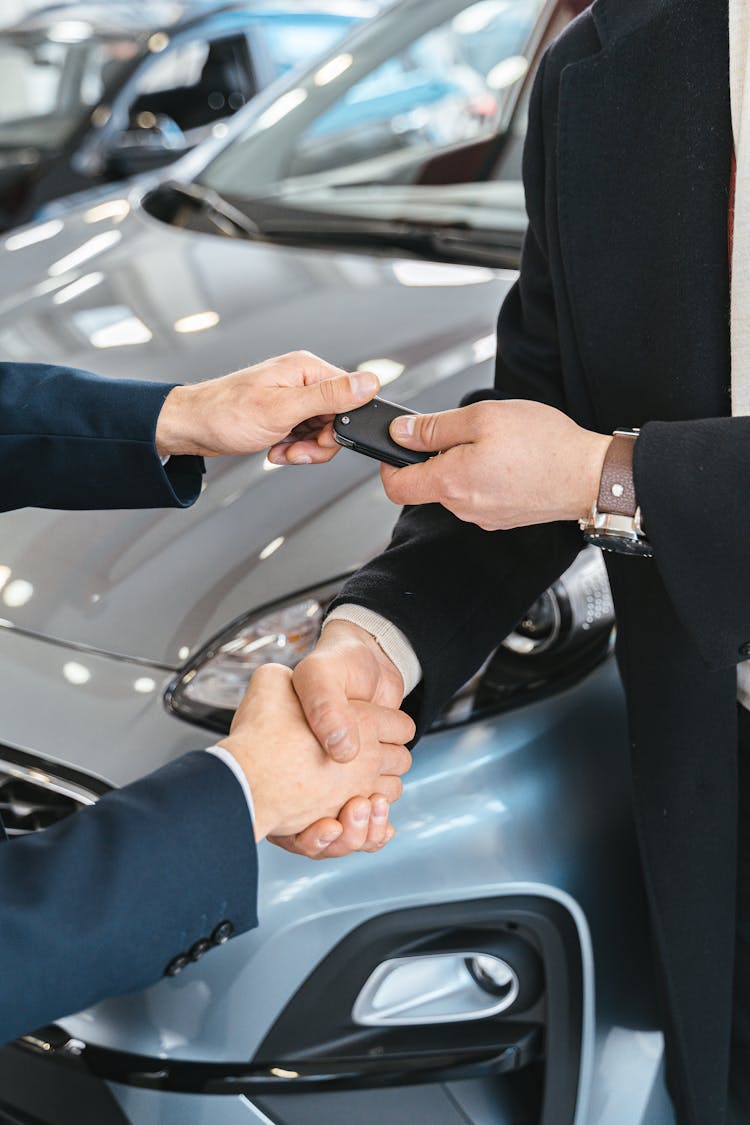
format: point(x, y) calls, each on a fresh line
point(176, 965)
point(222, 933)
point(198, 948)
point(745, 649)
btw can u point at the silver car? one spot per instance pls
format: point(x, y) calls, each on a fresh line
point(491, 965)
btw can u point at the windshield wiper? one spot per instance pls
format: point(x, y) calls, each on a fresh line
point(500, 248)
point(227, 218)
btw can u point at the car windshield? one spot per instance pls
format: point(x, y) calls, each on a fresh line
point(294, 39)
point(419, 118)
point(51, 77)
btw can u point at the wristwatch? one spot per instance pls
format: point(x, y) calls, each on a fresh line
point(614, 523)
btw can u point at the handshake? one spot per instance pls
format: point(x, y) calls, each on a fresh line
point(323, 748)
point(327, 741)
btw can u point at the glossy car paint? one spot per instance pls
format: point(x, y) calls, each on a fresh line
point(100, 610)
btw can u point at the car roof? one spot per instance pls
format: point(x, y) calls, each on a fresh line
point(119, 18)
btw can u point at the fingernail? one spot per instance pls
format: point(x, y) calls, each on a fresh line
point(380, 808)
point(404, 427)
point(361, 816)
point(277, 457)
point(363, 384)
point(329, 838)
point(301, 459)
point(337, 737)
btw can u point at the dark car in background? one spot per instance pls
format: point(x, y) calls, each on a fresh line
point(97, 92)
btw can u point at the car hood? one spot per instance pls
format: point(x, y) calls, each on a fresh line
point(108, 289)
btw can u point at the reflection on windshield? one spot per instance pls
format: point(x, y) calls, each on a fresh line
point(48, 79)
point(385, 131)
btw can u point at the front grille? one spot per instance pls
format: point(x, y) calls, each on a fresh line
point(26, 806)
point(35, 794)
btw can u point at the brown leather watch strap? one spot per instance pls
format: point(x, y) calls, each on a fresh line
point(617, 491)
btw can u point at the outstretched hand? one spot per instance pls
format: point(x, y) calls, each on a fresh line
point(286, 404)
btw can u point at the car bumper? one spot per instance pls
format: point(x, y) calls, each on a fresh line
point(536, 798)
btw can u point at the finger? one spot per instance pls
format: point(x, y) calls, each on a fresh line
point(416, 484)
point(377, 833)
point(392, 788)
point(320, 684)
point(388, 724)
point(352, 827)
point(432, 433)
point(333, 396)
point(396, 760)
point(301, 453)
point(312, 448)
point(355, 819)
point(313, 841)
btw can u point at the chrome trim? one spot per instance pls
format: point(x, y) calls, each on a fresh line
point(36, 776)
point(396, 1015)
point(54, 776)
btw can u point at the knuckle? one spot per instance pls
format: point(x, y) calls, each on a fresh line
point(395, 789)
point(452, 488)
point(427, 428)
point(482, 418)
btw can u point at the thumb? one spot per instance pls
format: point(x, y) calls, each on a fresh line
point(431, 433)
point(320, 685)
point(332, 396)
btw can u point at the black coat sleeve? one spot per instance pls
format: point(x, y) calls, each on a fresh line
point(455, 591)
point(692, 481)
point(102, 902)
point(72, 440)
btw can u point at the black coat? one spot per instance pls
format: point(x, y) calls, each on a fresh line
point(621, 318)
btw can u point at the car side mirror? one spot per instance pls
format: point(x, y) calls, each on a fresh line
point(155, 142)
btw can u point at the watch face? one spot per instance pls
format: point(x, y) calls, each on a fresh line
point(620, 544)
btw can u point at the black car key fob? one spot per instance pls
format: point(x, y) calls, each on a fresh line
point(366, 430)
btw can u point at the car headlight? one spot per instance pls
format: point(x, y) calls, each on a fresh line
point(209, 690)
point(561, 637)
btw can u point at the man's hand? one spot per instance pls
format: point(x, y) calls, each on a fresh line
point(287, 403)
point(501, 464)
point(347, 664)
point(362, 826)
point(293, 781)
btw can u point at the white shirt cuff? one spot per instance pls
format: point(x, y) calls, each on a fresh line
point(229, 760)
point(393, 642)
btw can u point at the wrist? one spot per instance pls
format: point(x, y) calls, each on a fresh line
point(173, 431)
point(265, 817)
point(342, 628)
point(595, 452)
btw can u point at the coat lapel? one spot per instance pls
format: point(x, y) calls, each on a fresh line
point(643, 165)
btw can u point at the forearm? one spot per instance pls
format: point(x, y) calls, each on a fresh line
point(73, 440)
point(144, 875)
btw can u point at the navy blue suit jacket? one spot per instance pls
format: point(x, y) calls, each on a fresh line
point(103, 902)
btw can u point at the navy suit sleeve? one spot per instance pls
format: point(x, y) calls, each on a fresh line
point(454, 590)
point(72, 440)
point(101, 903)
